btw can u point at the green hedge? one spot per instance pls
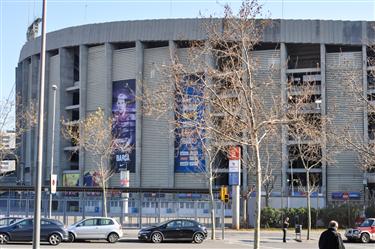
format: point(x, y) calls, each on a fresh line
point(273, 217)
point(345, 215)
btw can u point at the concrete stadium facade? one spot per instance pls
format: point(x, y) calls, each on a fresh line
point(84, 61)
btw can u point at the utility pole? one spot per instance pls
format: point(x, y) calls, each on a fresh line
point(54, 88)
point(38, 186)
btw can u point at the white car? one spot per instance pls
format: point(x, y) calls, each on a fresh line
point(95, 228)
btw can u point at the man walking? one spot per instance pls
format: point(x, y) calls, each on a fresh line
point(331, 239)
point(285, 228)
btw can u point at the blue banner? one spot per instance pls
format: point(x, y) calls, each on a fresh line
point(189, 155)
point(234, 178)
point(123, 125)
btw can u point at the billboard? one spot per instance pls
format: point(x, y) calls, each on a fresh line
point(71, 180)
point(7, 166)
point(123, 125)
point(189, 156)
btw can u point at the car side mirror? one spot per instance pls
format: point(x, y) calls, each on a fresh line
point(79, 225)
point(17, 226)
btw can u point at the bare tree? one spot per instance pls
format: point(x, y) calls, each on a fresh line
point(240, 109)
point(17, 121)
point(97, 139)
point(307, 148)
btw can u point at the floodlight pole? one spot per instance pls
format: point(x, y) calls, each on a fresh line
point(38, 178)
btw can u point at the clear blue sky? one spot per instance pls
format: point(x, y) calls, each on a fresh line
point(16, 15)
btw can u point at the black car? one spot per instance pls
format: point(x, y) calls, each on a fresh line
point(52, 231)
point(174, 230)
point(9, 220)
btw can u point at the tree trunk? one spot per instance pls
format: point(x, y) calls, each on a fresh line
point(308, 204)
point(212, 207)
point(104, 200)
point(258, 197)
point(267, 199)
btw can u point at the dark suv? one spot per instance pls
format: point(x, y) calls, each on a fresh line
point(52, 231)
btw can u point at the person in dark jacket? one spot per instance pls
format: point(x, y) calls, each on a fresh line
point(331, 239)
point(285, 228)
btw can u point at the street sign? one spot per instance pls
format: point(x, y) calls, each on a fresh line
point(53, 183)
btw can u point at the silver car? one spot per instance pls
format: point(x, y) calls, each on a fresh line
point(95, 228)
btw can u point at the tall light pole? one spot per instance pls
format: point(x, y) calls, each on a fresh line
point(38, 179)
point(54, 88)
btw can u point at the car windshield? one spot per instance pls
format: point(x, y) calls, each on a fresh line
point(367, 223)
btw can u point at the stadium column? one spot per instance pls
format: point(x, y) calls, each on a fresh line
point(284, 130)
point(365, 110)
point(83, 64)
point(34, 94)
point(171, 180)
point(323, 110)
point(139, 47)
point(27, 94)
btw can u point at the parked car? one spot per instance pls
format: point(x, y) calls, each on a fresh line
point(6, 221)
point(95, 228)
point(174, 230)
point(364, 232)
point(52, 231)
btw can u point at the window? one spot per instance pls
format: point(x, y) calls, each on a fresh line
point(105, 222)
point(174, 224)
point(45, 222)
point(187, 223)
point(90, 222)
point(25, 223)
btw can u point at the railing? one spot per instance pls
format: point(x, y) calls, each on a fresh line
point(141, 212)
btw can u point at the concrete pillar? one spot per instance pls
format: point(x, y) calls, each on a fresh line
point(139, 47)
point(171, 178)
point(83, 64)
point(108, 53)
point(323, 109)
point(64, 99)
point(365, 115)
point(35, 99)
point(284, 129)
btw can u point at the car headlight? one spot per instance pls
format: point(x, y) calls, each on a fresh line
point(356, 232)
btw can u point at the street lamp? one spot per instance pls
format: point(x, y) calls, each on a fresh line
point(54, 89)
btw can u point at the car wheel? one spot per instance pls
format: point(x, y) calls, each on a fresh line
point(157, 238)
point(198, 238)
point(365, 238)
point(54, 239)
point(4, 238)
point(112, 237)
point(71, 237)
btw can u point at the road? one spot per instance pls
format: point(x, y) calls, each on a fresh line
point(233, 239)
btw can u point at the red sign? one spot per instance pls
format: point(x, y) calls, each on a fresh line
point(234, 153)
point(345, 196)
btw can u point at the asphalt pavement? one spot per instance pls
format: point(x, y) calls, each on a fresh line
point(233, 239)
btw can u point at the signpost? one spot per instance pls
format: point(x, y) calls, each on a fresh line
point(234, 180)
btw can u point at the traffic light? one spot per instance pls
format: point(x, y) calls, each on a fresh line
point(224, 196)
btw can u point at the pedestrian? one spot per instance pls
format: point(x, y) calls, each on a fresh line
point(331, 239)
point(285, 228)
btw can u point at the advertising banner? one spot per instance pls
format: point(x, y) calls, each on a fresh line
point(71, 180)
point(7, 166)
point(189, 156)
point(124, 120)
point(53, 183)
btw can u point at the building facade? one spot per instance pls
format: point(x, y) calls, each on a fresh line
point(90, 63)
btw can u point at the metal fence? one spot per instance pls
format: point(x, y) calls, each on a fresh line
point(136, 210)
